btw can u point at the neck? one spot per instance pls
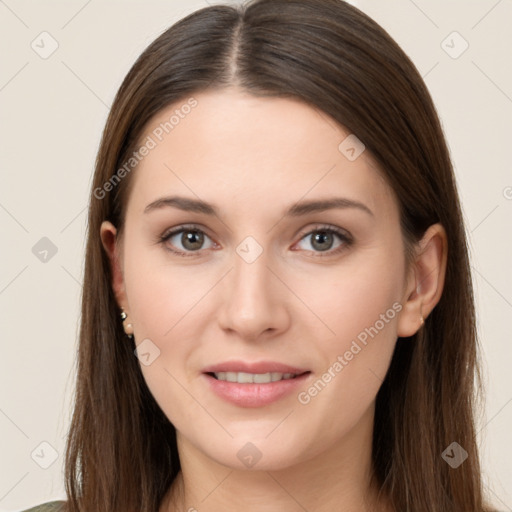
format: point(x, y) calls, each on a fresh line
point(338, 479)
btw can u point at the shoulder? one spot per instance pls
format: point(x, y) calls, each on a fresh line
point(51, 506)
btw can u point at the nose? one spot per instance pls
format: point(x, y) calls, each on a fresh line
point(255, 302)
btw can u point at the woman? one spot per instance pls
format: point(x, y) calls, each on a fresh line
point(227, 360)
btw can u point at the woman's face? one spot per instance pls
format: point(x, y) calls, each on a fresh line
point(262, 283)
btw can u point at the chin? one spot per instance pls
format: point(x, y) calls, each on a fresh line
point(255, 453)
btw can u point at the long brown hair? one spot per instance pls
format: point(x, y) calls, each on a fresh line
point(121, 454)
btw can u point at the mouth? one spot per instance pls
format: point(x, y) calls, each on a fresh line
point(254, 384)
point(254, 378)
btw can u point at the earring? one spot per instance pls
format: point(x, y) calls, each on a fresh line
point(422, 321)
point(128, 328)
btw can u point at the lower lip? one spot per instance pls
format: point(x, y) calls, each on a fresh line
point(254, 395)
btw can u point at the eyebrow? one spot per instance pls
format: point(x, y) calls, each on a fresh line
point(297, 210)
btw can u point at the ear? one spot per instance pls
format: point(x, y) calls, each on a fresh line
point(425, 280)
point(108, 234)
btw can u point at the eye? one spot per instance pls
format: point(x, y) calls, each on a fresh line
point(191, 238)
point(323, 239)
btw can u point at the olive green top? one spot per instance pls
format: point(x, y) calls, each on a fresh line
point(51, 506)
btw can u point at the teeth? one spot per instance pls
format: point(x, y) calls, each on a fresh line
point(250, 378)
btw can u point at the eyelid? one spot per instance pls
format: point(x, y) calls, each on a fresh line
point(346, 239)
point(169, 233)
point(325, 227)
point(184, 227)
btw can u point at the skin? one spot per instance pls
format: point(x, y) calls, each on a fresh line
point(253, 158)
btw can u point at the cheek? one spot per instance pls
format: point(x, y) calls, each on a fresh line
point(352, 296)
point(358, 306)
point(162, 301)
point(162, 296)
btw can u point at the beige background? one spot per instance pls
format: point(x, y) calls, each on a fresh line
point(53, 112)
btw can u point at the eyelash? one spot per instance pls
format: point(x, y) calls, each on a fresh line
point(345, 238)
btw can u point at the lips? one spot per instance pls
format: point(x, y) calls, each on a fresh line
point(254, 367)
point(248, 384)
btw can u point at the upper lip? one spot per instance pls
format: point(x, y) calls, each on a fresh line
point(253, 367)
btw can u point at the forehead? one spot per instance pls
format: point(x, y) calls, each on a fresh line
point(231, 148)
